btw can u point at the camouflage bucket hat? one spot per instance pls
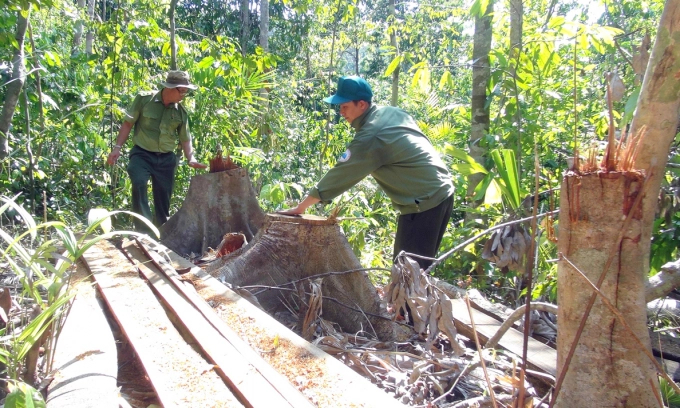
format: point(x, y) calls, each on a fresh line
point(178, 79)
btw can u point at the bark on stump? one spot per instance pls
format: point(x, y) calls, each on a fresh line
point(216, 203)
point(289, 248)
point(608, 368)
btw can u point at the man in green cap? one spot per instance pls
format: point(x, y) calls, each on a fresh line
point(159, 121)
point(390, 146)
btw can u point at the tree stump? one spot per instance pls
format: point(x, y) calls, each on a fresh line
point(216, 203)
point(289, 248)
point(608, 367)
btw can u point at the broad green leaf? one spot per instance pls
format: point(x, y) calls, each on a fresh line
point(466, 169)
point(25, 216)
point(206, 62)
point(629, 109)
point(37, 327)
point(446, 81)
point(421, 80)
point(101, 216)
point(556, 22)
point(475, 8)
point(393, 65)
point(23, 395)
point(481, 187)
point(506, 166)
point(478, 8)
point(493, 194)
point(459, 154)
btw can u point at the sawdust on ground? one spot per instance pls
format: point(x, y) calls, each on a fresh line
point(304, 370)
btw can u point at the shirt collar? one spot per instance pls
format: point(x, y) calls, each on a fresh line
point(159, 98)
point(359, 122)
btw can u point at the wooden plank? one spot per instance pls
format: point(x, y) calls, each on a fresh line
point(665, 345)
point(85, 356)
point(180, 376)
point(671, 367)
point(274, 378)
point(335, 384)
point(539, 355)
point(252, 389)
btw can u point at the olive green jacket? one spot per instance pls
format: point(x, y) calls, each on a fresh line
point(389, 146)
point(157, 127)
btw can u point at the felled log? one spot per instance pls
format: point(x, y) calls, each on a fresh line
point(216, 204)
point(663, 282)
point(287, 249)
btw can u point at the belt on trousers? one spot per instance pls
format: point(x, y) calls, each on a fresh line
point(149, 151)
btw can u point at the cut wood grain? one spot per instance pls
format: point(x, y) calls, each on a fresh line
point(279, 383)
point(245, 381)
point(179, 375)
point(326, 381)
point(539, 355)
point(85, 357)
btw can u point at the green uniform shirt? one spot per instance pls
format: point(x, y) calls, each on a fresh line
point(157, 127)
point(390, 146)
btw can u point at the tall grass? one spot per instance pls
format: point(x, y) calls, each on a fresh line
point(41, 256)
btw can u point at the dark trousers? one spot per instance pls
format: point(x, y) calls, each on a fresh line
point(421, 233)
point(160, 168)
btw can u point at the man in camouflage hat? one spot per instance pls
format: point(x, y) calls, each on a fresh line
point(159, 121)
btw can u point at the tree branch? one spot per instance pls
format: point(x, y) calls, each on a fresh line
point(663, 282)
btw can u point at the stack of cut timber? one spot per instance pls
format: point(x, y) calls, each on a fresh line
point(180, 376)
point(85, 355)
point(166, 320)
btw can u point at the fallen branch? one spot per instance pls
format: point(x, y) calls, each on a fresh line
point(663, 282)
point(311, 277)
point(265, 287)
point(515, 316)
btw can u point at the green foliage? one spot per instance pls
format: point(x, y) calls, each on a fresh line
point(22, 395)
point(669, 396)
point(32, 255)
point(509, 184)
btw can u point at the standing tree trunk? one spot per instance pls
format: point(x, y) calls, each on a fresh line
point(173, 45)
point(481, 74)
point(78, 35)
point(264, 25)
point(245, 26)
point(89, 37)
point(608, 367)
point(657, 112)
point(15, 84)
point(393, 41)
